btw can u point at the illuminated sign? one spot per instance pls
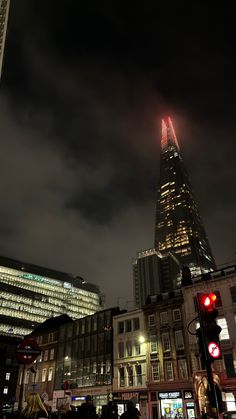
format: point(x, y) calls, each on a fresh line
point(170, 395)
point(188, 395)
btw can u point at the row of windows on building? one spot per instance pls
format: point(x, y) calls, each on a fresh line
point(46, 374)
point(130, 325)
point(88, 325)
point(164, 317)
point(132, 375)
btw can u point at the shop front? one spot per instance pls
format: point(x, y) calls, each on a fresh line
point(172, 405)
point(139, 400)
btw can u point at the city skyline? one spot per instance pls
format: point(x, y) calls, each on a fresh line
point(81, 100)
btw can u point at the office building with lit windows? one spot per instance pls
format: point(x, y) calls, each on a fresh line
point(4, 12)
point(30, 294)
point(179, 228)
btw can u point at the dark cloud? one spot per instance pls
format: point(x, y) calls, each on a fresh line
point(83, 92)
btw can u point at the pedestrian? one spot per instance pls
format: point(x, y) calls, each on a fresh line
point(131, 412)
point(35, 408)
point(110, 411)
point(87, 409)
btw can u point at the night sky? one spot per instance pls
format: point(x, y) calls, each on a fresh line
point(83, 92)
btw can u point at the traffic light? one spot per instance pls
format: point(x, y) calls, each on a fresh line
point(210, 329)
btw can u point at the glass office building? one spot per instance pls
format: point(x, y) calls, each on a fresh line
point(30, 294)
point(179, 228)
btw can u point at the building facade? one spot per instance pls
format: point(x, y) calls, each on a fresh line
point(85, 358)
point(169, 378)
point(9, 368)
point(4, 13)
point(130, 356)
point(30, 294)
point(154, 273)
point(223, 284)
point(179, 226)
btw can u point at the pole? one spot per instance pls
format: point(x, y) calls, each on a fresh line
point(21, 394)
point(212, 392)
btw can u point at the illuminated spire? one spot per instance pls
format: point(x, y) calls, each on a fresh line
point(168, 136)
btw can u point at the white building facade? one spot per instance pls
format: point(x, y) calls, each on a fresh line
point(130, 361)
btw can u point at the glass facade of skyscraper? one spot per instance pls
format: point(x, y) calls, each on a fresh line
point(179, 227)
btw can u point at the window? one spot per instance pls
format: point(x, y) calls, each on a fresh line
point(155, 371)
point(51, 354)
point(45, 358)
point(169, 371)
point(137, 348)
point(5, 390)
point(233, 294)
point(164, 317)
point(165, 342)
point(138, 370)
point(153, 344)
point(121, 327)
point(8, 362)
point(94, 324)
point(129, 348)
point(51, 337)
point(151, 320)
point(136, 324)
point(128, 326)
point(229, 365)
point(183, 370)
point(82, 327)
point(122, 376)
point(7, 378)
point(44, 373)
point(121, 352)
point(50, 372)
point(130, 376)
point(176, 315)
point(224, 334)
point(179, 340)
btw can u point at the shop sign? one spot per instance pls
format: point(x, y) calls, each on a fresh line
point(143, 396)
point(188, 395)
point(129, 396)
point(170, 395)
point(190, 404)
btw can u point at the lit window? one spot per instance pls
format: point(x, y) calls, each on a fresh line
point(130, 376)
point(5, 390)
point(45, 358)
point(129, 348)
point(50, 372)
point(51, 354)
point(137, 348)
point(7, 378)
point(138, 370)
point(44, 373)
point(224, 334)
point(121, 349)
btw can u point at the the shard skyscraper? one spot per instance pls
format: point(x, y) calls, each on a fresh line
point(179, 228)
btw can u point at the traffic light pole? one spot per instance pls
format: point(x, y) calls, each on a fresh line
point(212, 391)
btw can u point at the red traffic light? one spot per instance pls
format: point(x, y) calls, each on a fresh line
point(208, 300)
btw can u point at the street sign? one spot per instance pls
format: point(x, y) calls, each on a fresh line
point(27, 351)
point(214, 350)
